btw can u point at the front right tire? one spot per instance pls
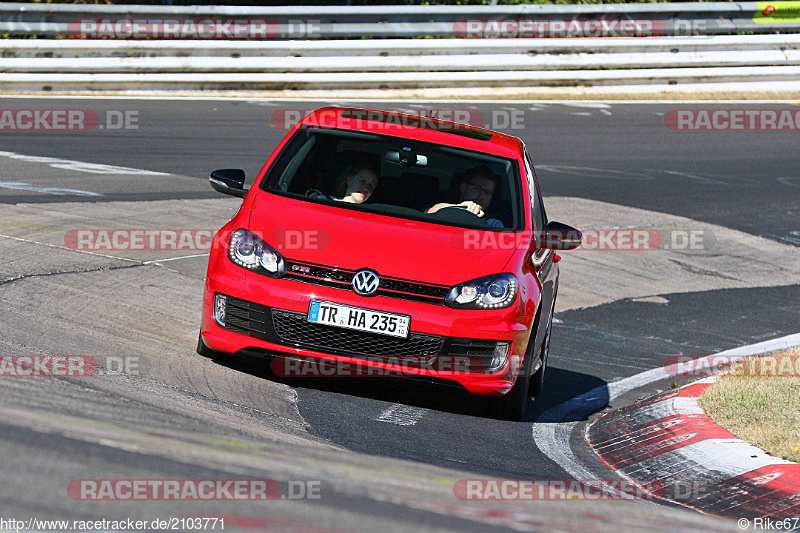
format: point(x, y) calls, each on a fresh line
point(537, 380)
point(511, 406)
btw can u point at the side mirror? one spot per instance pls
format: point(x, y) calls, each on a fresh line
point(558, 236)
point(229, 181)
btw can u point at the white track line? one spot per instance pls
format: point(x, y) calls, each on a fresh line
point(175, 258)
point(82, 166)
point(401, 415)
point(21, 186)
point(552, 436)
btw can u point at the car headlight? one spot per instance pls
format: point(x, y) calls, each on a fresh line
point(489, 292)
point(249, 251)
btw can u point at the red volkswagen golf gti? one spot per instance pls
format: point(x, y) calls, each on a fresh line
point(405, 245)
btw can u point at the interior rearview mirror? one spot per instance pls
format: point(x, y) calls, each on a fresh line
point(406, 157)
point(229, 181)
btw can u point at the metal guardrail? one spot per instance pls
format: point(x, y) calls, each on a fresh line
point(397, 55)
point(326, 60)
point(706, 18)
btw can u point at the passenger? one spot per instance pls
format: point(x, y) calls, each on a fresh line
point(477, 189)
point(358, 183)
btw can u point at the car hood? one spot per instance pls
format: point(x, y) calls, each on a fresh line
point(394, 247)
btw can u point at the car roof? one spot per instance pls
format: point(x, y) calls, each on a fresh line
point(419, 127)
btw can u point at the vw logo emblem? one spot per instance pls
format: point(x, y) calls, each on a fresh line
point(366, 282)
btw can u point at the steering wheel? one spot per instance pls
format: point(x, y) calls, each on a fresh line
point(460, 214)
point(462, 207)
point(315, 192)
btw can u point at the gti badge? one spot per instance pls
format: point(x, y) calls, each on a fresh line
point(366, 282)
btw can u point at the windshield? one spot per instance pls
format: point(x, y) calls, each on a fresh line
point(399, 177)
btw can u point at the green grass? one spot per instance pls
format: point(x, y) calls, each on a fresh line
point(763, 410)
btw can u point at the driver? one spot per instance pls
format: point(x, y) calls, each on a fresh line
point(476, 189)
point(358, 183)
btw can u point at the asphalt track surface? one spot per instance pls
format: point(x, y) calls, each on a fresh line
point(622, 154)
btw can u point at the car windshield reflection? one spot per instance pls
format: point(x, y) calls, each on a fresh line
point(399, 177)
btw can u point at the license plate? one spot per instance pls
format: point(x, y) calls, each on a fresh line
point(359, 319)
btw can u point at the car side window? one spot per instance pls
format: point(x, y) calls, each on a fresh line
point(540, 203)
point(537, 207)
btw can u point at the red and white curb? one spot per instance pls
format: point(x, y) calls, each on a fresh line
point(669, 440)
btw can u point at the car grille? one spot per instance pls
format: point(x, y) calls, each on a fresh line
point(342, 279)
point(293, 328)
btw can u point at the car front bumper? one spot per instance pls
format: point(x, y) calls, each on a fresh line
point(269, 317)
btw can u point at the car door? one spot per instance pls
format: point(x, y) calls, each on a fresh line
point(542, 259)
